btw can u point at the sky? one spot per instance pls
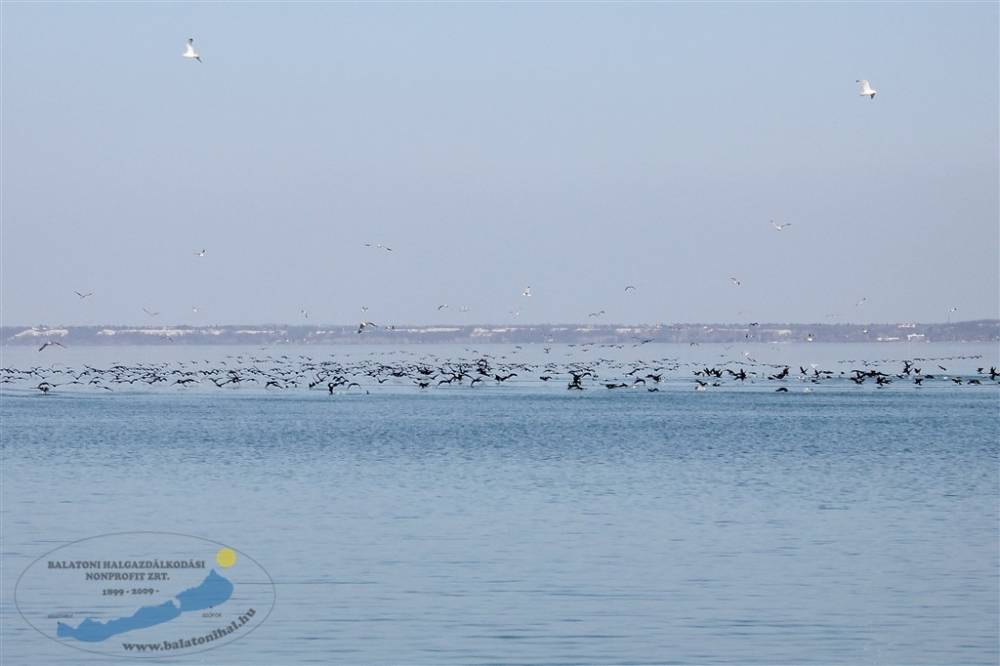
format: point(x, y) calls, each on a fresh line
point(573, 148)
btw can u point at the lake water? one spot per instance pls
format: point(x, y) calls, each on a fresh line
point(530, 524)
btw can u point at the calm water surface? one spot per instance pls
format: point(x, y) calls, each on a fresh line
point(524, 526)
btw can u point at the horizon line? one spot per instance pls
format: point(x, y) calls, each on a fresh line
point(511, 324)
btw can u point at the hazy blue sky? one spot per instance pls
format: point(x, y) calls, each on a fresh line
point(575, 148)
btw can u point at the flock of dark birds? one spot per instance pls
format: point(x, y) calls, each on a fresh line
point(342, 375)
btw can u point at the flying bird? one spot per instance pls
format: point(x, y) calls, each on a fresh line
point(378, 246)
point(366, 324)
point(189, 51)
point(51, 344)
point(863, 300)
point(596, 314)
point(526, 292)
point(83, 296)
point(442, 306)
point(780, 227)
point(866, 89)
point(200, 253)
point(150, 312)
point(629, 289)
point(735, 281)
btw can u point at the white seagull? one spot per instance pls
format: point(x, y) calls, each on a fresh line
point(526, 292)
point(200, 253)
point(189, 51)
point(735, 281)
point(866, 89)
point(83, 296)
point(780, 227)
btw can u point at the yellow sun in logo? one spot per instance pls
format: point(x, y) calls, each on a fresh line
point(226, 557)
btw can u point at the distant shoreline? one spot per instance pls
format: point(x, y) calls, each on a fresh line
point(983, 330)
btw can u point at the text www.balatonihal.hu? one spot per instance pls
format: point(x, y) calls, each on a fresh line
point(192, 642)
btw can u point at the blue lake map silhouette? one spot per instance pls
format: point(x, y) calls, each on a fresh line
point(212, 591)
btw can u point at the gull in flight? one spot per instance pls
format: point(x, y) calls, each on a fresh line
point(200, 253)
point(629, 289)
point(442, 306)
point(366, 324)
point(150, 312)
point(596, 314)
point(378, 246)
point(780, 227)
point(52, 343)
point(526, 292)
point(864, 299)
point(735, 281)
point(83, 296)
point(189, 51)
point(304, 313)
point(866, 89)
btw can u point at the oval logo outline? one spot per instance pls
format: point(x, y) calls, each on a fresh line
point(163, 654)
